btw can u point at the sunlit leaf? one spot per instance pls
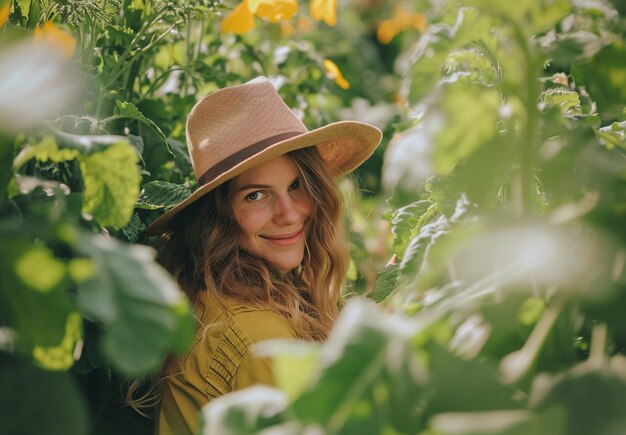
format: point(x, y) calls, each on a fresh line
point(33, 300)
point(468, 129)
point(111, 179)
point(50, 271)
point(61, 357)
point(45, 150)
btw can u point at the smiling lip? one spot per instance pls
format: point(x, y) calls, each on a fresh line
point(285, 239)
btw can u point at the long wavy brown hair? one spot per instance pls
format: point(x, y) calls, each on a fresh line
point(202, 252)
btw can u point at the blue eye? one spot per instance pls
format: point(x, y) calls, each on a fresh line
point(295, 185)
point(255, 196)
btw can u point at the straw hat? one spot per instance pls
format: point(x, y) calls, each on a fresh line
point(239, 127)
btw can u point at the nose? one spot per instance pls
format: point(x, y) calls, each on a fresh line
point(286, 210)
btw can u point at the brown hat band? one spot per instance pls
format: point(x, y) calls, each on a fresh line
point(234, 159)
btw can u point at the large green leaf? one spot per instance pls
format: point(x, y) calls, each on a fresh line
point(244, 412)
point(366, 355)
point(111, 179)
point(145, 315)
point(591, 394)
point(481, 391)
point(471, 117)
point(35, 401)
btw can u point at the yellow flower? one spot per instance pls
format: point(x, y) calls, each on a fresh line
point(4, 13)
point(387, 30)
point(239, 21)
point(401, 21)
point(419, 22)
point(324, 10)
point(287, 29)
point(57, 39)
point(332, 71)
point(273, 10)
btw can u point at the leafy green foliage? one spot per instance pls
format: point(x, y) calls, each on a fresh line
point(501, 310)
point(111, 180)
point(130, 293)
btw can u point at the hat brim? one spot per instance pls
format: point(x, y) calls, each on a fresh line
point(343, 146)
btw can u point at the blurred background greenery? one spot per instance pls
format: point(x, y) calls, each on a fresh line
point(499, 192)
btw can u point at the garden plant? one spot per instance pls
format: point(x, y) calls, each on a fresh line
point(487, 286)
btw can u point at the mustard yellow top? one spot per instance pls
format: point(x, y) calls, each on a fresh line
point(220, 361)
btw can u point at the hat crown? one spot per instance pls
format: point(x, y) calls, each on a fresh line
point(231, 120)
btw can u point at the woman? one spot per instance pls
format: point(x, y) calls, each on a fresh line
point(258, 247)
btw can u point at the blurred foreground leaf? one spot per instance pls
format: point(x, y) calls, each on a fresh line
point(144, 313)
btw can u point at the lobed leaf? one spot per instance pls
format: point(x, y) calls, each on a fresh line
point(111, 178)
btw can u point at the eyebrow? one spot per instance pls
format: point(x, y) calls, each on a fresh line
point(261, 186)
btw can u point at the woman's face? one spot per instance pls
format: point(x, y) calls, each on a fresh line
point(272, 210)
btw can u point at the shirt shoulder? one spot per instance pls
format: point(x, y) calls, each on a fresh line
point(259, 324)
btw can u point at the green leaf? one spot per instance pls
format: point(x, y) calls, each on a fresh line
point(531, 15)
point(414, 255)
point(366, 357)
point(181, 156)
point(133, 229)
point(6, 161)
point(50, 271)
point(35, 401)
point(386, 282)
point(603, 77)
point(161, 194)
point(33, 13)
point(568, 102)
point(467, 129)
point(61, 356)
point(613, 135)
point(244, 412)
point(125, 109)
point(482, 390)
point(111, 179)
point(46, 150)
point(33, 299)
point(404, 222)
point(145, 315)
point(591, 395)
point(294, 364)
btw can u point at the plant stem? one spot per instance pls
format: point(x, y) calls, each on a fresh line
point(598, 344)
